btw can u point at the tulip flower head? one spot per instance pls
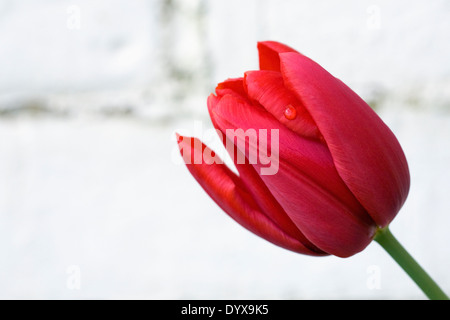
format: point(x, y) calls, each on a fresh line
point(318, 171)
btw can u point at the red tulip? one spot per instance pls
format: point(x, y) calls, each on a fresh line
point(339, 173)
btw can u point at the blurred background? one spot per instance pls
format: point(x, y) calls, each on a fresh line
point(94, 202)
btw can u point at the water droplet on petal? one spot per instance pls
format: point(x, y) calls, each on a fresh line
point(290, 113)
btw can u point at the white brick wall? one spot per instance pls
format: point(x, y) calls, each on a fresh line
point(113, 49)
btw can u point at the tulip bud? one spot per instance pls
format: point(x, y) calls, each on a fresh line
point(322, 173)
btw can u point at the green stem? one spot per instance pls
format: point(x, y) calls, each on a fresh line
point(385, 238)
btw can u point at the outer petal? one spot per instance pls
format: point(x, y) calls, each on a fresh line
point(226, 189)
point(366, 153)
point(307, 185)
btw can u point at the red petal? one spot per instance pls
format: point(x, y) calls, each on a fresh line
point(366, 153)
point(267, 88)
point(307, 184)
point(212, 102)
point(227, 190)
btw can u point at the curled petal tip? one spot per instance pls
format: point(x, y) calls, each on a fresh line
point(269, 54)
point(179, 137)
